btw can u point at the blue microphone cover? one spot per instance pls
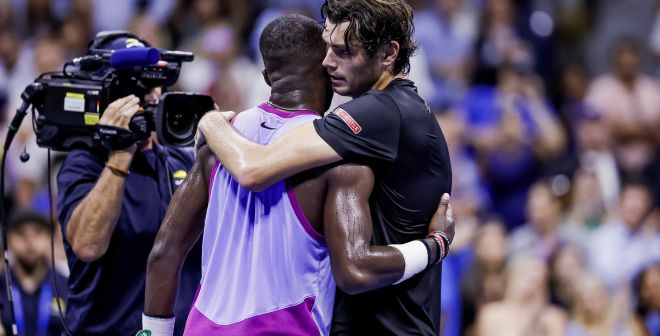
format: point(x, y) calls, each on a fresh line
point(130, 57)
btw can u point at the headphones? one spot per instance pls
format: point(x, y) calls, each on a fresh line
point(108, 36)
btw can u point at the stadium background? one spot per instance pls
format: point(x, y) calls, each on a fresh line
point(550, 108)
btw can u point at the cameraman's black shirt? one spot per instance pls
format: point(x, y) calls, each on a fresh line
point(394, 133)
point(107, 295)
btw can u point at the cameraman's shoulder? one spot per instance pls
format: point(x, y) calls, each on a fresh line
point(181, 155)
point(83, 158)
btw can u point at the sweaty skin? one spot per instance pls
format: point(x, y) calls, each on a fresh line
point(338, 197)
point(256, 166)
point(334, 199)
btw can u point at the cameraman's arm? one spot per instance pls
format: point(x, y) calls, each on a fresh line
point(93, 220)
point(181, 228)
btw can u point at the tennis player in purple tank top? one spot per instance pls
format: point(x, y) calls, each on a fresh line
point(271, 258)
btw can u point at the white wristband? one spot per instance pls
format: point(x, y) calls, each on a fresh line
point(158, 326)
point(415, 256)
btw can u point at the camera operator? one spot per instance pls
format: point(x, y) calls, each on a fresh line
point(111, 206)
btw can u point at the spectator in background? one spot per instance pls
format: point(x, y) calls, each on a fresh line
point(594, 313)
point(594, 154)
point(117, 14)
point(525, 309)
point(594, 170)
point(75, 35)
point(497, 40)
point(540, 236)
point(469, 197)
point(6, 18)
point(9, 52)
point(39, 17)
point(574, 20)
point(566, 264)
point(29, 177)
point(587, 210)
point(514, 132)
point(484, 282)
point(34, 293)
point(220, 69)
point(646, 286)
point(621, 247)
point(630, 103)
point(572, 91)
point(446, 32)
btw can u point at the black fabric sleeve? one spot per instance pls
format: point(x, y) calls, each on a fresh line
point(76, 178)
point(365, 128)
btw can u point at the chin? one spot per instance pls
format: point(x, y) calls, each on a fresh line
point(340, 90)
point(343, 91)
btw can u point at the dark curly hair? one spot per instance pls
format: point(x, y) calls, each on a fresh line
point(373, 23)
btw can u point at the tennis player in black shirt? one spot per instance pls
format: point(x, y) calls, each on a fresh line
point(387, 126)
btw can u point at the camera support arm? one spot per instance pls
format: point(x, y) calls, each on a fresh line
point(27, 96)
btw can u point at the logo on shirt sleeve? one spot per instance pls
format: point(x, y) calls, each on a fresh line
point(179, 176)
point(352, 124)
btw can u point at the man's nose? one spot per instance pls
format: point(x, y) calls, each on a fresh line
point(329, 60)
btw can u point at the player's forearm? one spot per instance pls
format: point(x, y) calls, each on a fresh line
point(181, 228)
point(241, 157)
point(94, 219)
point(163, 273)
point(257, 167)
point(374, 267)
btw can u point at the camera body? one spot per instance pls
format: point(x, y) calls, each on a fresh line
point(70, 103)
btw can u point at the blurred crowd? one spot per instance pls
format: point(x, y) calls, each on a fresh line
point(551, 110)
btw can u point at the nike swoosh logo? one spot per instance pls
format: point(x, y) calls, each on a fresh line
point(263, 124)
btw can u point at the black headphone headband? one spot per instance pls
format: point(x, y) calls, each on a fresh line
point(108, 35)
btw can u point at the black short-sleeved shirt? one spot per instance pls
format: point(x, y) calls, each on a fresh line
point(39, 313)
point(107, 295)
point(394, 133)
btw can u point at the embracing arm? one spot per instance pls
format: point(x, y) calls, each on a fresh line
point(357, 265)
point(256, 166)
point(182, 226)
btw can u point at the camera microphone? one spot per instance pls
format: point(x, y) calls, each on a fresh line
point(130, 57)
point(24, 155)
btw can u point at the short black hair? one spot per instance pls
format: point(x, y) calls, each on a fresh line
point(292, 40)
point(373, 23)
point(23, 216)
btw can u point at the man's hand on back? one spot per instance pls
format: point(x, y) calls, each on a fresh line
point(206, 124)
point(443, 219)
point(213, 117)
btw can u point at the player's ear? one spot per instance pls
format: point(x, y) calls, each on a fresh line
point(390, 51)
point(265, 74)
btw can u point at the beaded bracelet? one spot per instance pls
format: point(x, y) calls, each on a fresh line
point(117, 171)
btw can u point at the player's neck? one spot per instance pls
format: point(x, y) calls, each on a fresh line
point(294, 101)
point(385, 79)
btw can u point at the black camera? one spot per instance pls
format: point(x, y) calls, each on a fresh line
point(177, 116)
point(118, 64)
